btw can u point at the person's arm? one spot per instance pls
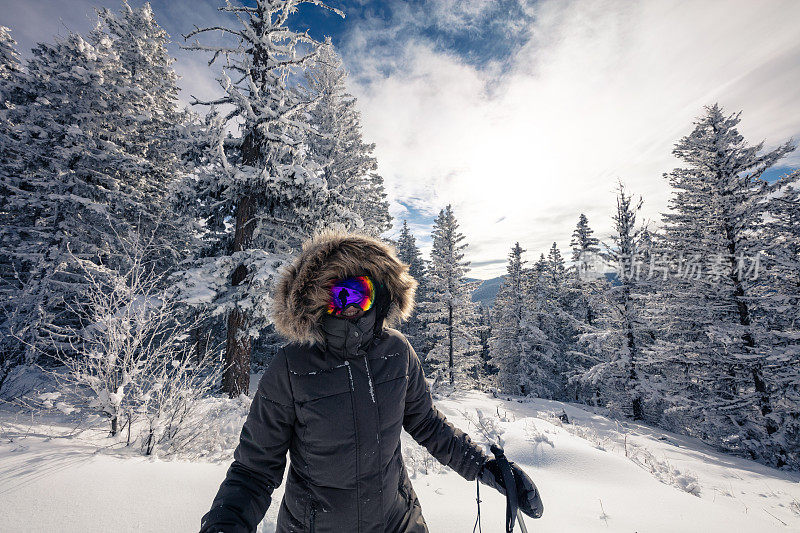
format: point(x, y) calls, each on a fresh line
point(429, 427)
point(259, 459)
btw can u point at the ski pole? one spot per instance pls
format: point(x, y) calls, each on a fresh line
point(512, 510)
point(521, 522)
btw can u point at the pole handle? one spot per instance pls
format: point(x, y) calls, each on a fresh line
point(512, 509)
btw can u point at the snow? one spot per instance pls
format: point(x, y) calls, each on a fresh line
point(595, 474)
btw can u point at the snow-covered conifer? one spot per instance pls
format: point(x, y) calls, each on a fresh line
point(778, 308)
point(718, 380)
point(10, 64)
point(561, 319)
point(154, 124)
point(585, 246)
point(270, 194)
point(69, 193)
point(87, 166)
point(510, 343)
point(618, 335)
point(448, 313)
point(356, 195)
point(408, 253)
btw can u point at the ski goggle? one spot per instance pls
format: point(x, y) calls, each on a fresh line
point(357, 290)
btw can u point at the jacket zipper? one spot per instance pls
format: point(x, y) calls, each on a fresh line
point(312, 520)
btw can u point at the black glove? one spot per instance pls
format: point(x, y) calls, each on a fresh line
point(528, 499)
point(220, 520)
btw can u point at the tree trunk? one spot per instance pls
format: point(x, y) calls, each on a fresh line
point(202, 337)
point(759, 383)
point(450, 334)
point(236, 379)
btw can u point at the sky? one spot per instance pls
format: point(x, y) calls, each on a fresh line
point(522, 115)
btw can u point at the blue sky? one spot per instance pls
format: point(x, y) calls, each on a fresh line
point(521, 114)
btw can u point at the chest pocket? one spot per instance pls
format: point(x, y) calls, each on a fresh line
point(326, 425)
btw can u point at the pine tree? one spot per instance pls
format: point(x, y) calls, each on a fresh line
point(273, 192)
point(717, 381)
point(449, 314)
point(584, 245)
point(563, 296)
point(10, 64)
point(154, 122)
point(487, 369)
point(587, 286)
point(69, 193)
point(83, 169)
point(778, 308)
point(357, 197)
point(620, 333)
point(10, 164)
point(408, 253)
point(540, 368)
point(510, 343)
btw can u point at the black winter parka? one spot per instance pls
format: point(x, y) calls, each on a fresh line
point(337, 405)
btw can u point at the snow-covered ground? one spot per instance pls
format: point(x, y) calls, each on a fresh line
point(594, 474)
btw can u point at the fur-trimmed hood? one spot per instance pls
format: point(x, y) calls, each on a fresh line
point(303, 289)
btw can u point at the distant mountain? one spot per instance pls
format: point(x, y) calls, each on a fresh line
point(486, 291)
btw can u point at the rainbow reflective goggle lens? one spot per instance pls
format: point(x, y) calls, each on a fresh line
point(357, 290)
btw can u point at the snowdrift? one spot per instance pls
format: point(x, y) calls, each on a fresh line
point(595, 474)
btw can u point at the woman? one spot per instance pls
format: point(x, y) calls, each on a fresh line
point(336, 398)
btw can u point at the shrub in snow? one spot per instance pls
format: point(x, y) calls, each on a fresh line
point(535, 436)
point(488, 426)
point(131, 358)
point(419, 461)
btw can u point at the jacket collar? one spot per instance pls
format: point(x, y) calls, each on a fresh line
point(346, 338)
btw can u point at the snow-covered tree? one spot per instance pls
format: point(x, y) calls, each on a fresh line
point(510, 343)
point(718, 382)
point(270, 193)
point(778, 308)
point(486, 370)
point(156, 126)
point(585, 247)
point(448, 313)
point(541, 312)
point(86, 166)
point(408, 253)
point(561, 319)
point(134, 366)
point(70, 181)
point(356, 194)
point(10, 64)
point(618, 335)
point(10, 79)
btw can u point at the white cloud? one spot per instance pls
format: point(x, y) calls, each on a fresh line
point(601, 91)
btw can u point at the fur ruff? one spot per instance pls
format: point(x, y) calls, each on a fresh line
point(303, 289)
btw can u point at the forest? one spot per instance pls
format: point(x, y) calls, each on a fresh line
point(140, 241)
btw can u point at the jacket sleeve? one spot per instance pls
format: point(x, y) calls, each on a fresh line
point(259, 459)
point(429, 427)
